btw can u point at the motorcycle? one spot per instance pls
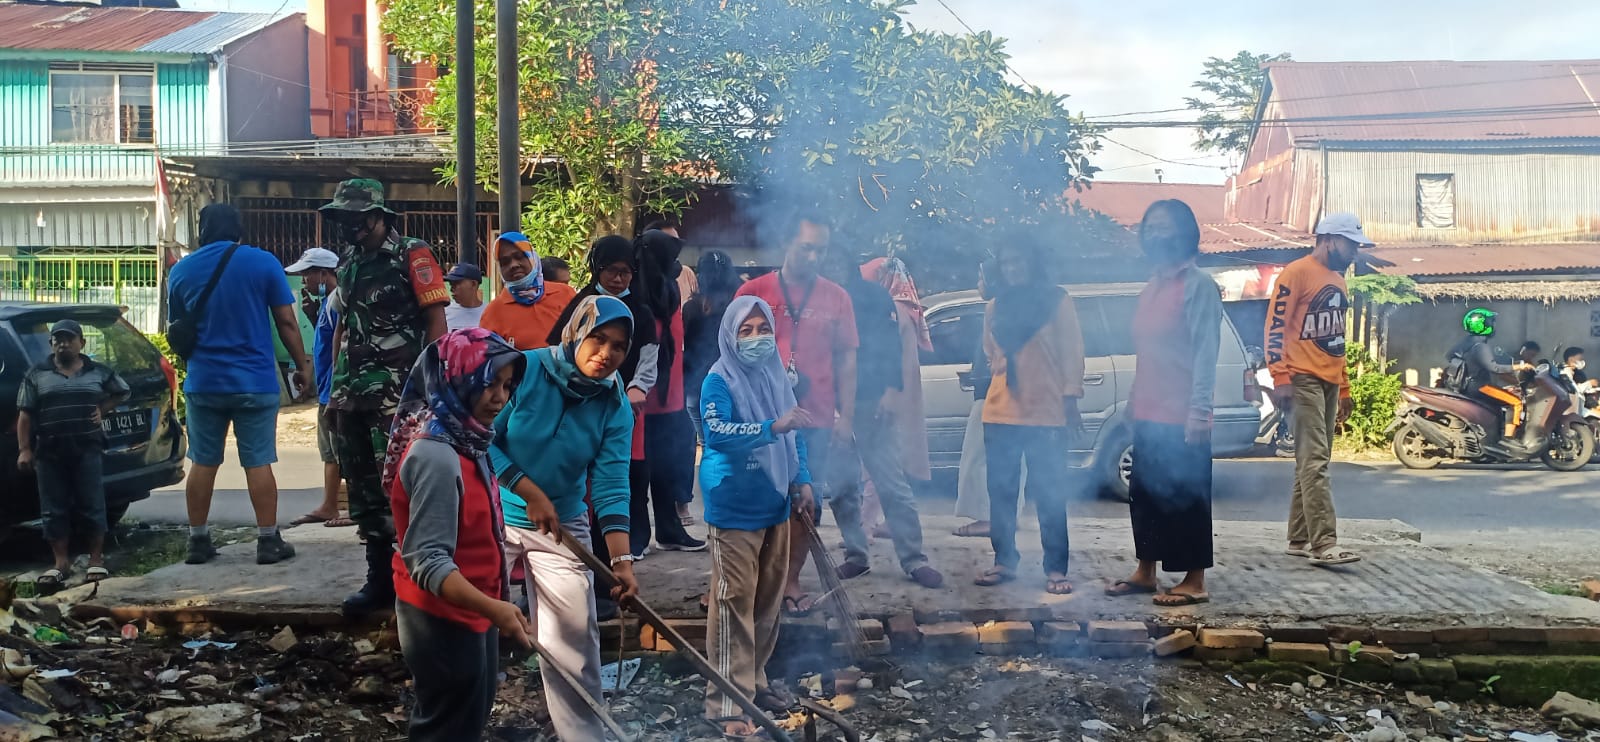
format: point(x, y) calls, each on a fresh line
point(1433, 425)
point(1274, 429)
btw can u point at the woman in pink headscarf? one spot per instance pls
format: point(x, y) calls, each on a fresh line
point(910, 423)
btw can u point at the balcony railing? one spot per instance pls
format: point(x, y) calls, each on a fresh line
point(361, 113)
point(78, 164)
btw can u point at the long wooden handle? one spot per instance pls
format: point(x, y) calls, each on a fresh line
point(577, 686)
point(695, 658)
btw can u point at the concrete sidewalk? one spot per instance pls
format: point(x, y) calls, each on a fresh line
point(1399, 584)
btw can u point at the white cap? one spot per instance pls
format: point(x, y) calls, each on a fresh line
point(316, 257)
point(1344, 224)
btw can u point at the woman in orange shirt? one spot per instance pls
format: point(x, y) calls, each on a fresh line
point(526, 310)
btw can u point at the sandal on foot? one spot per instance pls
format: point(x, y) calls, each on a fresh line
point(342, 521)
point(50, 578)
point(994, 576)
point(1127, 587)
point(971, 530)
point(1178, 600)
point(1333, 555)
point(798, 606)
point(1058, 586)
point(1302, 552)
point(96, 574)
point(774, 699)
point(725, 727)
point(308, 519)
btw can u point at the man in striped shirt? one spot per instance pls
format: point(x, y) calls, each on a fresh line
point(59, 407)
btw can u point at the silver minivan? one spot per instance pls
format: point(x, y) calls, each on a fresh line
point(1105, 311)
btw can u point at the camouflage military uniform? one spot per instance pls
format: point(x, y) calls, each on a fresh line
point(381, 298)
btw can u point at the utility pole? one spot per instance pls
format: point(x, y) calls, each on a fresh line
point(507, 120)
point(466, 137)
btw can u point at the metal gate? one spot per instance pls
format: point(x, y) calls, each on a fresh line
point(128, 281)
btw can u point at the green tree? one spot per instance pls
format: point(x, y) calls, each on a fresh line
point(625, 106)
point(1232, 90)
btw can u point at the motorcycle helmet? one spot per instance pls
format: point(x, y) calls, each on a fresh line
point(1479, 321)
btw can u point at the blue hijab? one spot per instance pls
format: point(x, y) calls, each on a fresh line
point(760, 391)
point(590, 314)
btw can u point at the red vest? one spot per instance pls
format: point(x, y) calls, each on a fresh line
point(667, 396)
point(478, 553)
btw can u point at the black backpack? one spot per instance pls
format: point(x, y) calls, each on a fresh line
point(1455, 377)
point(183, 323)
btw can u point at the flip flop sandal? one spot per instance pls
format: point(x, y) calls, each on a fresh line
point(308, 519)
point(1053, 586)
point(1123, 587)
point(96, 574)
point(1333, 556)
point(339, 522)
point(722, 727)
point(774, 700)
point(1183, 599)
point(50, 578)
point(967, 531)
point(1302, 553)
point(994, 576)
point(792, 605)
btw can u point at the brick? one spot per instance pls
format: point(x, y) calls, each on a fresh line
point(1591, 588)
point(1231, 639)
point(1573, 634)
point(1461, 635)
point(869, 648)
point(1407, 673)
point(904, 634)
point(950, 636)
point(1517, 635)
point(1369, 655)
point(1005, 632)
point(1171, 644)
point(929, 616)
point(871, 628)
point(1118, 631)
point(1113, 650)
point(1304, 632)
point(1059, 637)
point(692, 629)
point(1304, 652)
point(1394, 638)
point(1346, 633)
point(1232, 654)
point(1437, 672)
point(1029, 614)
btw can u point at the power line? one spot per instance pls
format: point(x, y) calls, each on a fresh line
point(1159, 158)
point(970, 30)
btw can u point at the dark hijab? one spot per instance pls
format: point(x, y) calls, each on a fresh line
point(606, 251)
point(220, 223)
point(1021, 310)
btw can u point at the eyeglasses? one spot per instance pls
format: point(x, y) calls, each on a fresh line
point(623, 272)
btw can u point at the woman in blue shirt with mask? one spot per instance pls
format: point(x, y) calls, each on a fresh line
point(753, 473)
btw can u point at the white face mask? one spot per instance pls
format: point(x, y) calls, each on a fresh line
point(1579, 364)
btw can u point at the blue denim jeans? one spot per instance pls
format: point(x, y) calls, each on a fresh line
point(255, 426)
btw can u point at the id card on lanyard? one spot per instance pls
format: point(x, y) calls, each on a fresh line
point(795, 313)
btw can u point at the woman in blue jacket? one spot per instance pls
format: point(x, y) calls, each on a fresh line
point(753, 474)
point(567, 429)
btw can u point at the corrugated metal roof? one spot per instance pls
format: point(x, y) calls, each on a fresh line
point(76, 28)
point(1241, 236)
point(211, 34)
point(1126, 202)
point(1473, 260)
point(1435, 101)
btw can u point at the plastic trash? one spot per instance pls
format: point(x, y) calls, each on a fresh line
point(50, 634)
point(200, 644)
point(1525, 737)
point(608, 674)
point(54, 674)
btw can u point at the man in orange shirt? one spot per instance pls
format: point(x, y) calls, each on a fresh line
point(1305, 352)
point(526, 311)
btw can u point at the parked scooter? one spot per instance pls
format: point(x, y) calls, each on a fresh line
point(1433, 425)
point(1274, 430)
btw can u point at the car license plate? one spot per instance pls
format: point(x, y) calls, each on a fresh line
point(127, 427)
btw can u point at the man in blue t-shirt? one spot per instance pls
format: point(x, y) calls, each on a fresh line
point(318, 270)
point(232, 374)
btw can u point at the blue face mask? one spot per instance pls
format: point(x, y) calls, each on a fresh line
point(758, 348)
point(603, 290)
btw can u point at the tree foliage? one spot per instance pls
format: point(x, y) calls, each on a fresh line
point(914, 139)
point(1231, 91)
point(1382, 289)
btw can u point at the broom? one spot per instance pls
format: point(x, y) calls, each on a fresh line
point(838, 601)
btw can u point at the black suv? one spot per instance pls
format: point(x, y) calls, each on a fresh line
point(145, 443)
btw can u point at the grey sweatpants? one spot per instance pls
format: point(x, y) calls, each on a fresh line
point(561, 607)
point(877, 449)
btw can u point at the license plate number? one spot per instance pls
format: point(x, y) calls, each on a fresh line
point(131, 426)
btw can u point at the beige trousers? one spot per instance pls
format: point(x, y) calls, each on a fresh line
point(748, 571)
point(1316, 408)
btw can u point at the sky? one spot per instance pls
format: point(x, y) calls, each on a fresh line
point(1143, 55)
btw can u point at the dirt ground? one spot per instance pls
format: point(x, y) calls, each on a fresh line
point(337, 686)
point(297, 426)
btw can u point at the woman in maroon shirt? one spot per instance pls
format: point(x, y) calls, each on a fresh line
point(1176, 333)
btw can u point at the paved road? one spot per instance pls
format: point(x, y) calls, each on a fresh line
point(1445, 499)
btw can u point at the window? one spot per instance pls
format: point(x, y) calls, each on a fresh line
point(955, 333)
point(102, 106)
point(1106, 323)
point(1436, 200)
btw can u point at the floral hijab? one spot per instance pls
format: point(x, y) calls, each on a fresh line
point(891, 273)
point(439, 395)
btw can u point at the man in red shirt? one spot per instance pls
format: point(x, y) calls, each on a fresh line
point(816, 333)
